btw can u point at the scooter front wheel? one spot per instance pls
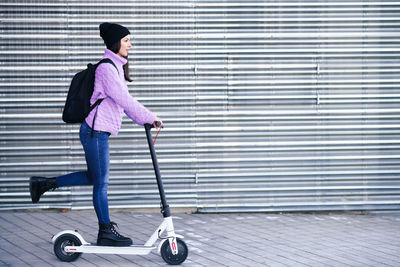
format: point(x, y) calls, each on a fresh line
point(177, 259)
point(66, 240)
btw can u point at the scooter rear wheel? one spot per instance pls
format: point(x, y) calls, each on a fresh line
point(177, 259)
point(66, 240)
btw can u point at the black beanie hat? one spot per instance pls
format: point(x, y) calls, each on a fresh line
point(112, 33)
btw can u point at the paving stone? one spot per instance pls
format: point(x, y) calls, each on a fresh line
point(214, 239)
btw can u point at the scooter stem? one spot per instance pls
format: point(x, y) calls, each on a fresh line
point(164, 206)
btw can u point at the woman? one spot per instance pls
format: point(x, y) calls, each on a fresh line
point(110, 84)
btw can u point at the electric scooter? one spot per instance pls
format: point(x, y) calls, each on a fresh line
point(69, 245)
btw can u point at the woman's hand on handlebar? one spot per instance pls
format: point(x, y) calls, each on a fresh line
point(158, 123)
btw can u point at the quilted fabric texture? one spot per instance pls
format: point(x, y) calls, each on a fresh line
point(111, 85)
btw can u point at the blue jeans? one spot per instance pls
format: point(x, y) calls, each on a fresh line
point(98, 166)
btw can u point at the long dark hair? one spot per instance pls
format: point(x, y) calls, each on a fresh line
point(115, 48)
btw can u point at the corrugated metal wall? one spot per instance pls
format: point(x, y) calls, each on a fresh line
point(268, 105)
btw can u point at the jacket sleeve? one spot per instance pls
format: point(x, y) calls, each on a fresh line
point(117, 90)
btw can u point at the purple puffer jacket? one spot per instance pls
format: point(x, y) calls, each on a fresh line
point(111, 85)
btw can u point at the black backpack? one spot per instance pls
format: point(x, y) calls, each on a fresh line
point(77, 106)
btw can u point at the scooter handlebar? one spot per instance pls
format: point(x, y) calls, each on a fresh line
point(150, 126)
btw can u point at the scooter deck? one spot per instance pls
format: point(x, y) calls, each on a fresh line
point(134, 249)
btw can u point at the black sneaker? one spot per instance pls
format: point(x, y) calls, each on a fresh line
point(39, 185)
point(108, 236)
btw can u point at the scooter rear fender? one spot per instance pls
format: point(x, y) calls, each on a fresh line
point(72, 232)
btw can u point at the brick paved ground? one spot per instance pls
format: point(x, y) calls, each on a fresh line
point(215, 239)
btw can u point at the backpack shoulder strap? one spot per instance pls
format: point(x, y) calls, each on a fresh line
point(104, 60)
point(107, 60)
point(98, 101)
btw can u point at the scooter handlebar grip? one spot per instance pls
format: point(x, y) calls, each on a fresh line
point(150, 126)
